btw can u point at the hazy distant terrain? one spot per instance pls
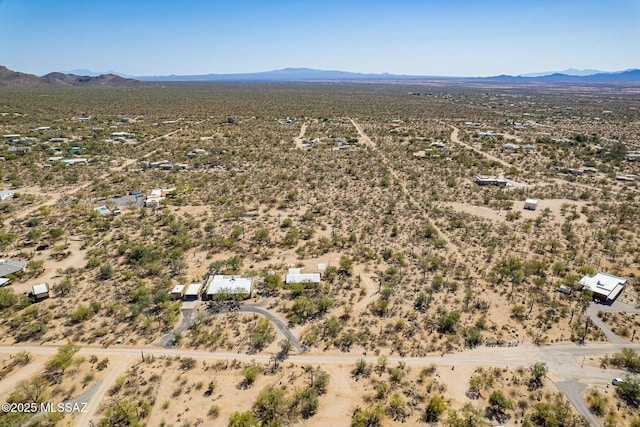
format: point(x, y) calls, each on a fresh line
point(629, 78)
point(13, 78)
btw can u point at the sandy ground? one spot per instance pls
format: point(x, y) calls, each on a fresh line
point(76, 259)
point(116, 367)
point(300, 138)
point(21, 373)
point(555, 206)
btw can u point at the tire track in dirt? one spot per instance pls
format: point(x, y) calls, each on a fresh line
point(405, 191)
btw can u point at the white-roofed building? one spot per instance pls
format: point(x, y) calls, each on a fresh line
point(8, 267)
point(228, 287)
point(297, 277)
point(605, 287)
point(192, 292)
point(490, 180)
point(6, 194)
point(531, 204)
point(40, 291)
point(177, 292)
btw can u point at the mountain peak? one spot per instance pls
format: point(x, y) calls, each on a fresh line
point(14, 78)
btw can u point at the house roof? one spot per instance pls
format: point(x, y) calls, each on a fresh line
point(10, 267)
point(102, 210)
point(230, 284)
point(303, 278)
point(532, 201)
point(5, 194)
point(177, 289)
point(488, 178)
point(604, 284)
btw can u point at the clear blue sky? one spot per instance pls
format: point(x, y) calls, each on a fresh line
point(428, 37)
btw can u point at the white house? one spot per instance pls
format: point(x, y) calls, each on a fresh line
point(295, 276)
point(531, 204)
point(69, 162)
point(8, 267)
point(605, 287)
point(228, 286)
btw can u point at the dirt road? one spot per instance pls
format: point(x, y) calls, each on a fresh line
point(563, 361)
point(405, 191)
point(454, 138)
point(300, 138)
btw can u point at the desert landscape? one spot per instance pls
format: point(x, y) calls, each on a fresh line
point(313, 254)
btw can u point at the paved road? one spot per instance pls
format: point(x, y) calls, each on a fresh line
point(573, 390)
point(592, 312)
point(278, 323)
point(616, 307)
point(168, 340)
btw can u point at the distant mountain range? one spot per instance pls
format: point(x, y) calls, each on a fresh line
point(14, 78)
point(568, 72)
point(308, 74)
point(89, 78)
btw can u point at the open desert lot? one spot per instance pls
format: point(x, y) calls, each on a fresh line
point(315, 254)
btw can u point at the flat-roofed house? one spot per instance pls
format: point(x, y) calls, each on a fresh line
point(605, 287)
point(490, 180)
point(295, 276)
point(8, 267)
point(228, 287)
point(531, 204)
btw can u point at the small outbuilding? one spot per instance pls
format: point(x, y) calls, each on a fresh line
point(40, 291)
point(44, 245)
point(102, 210)
point(565, 290)
point(531, 204)
point(177, 292)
